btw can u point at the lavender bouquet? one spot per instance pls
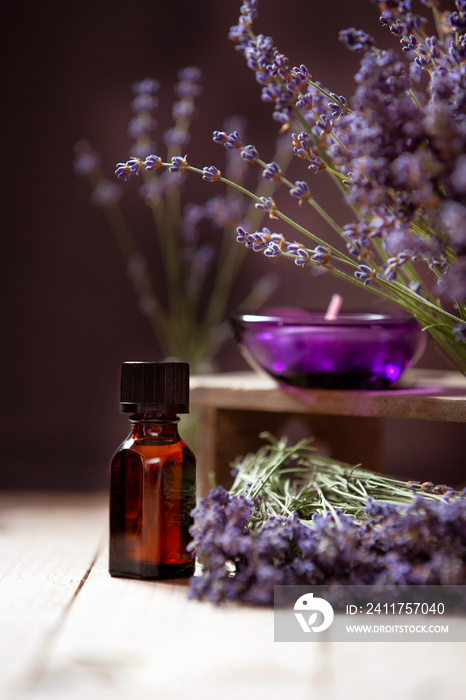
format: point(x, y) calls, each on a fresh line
point(295, 517)
point(396, 152)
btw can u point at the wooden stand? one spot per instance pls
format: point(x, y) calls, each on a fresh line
point(234, 408)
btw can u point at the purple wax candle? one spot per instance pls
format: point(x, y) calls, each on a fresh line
point(352, 351)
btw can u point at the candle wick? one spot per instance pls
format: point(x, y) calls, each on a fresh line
point(333, 307)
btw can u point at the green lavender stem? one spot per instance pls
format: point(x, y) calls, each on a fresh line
point(295, 478)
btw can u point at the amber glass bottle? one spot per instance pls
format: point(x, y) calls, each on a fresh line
point(153, 476)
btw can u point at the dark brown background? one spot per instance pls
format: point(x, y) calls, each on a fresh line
point(69, 315)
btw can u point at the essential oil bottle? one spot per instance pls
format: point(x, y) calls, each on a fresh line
point(153, 476)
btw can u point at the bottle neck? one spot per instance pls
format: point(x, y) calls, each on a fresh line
point(154, 425)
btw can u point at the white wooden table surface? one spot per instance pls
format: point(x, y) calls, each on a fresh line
point(69, 631)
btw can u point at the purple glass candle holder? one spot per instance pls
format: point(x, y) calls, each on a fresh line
point(353, 351)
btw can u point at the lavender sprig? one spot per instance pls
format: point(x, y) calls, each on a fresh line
point(426, 311)
point(185, 326)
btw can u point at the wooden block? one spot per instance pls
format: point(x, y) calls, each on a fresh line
point(348, 425)
point(425, 394)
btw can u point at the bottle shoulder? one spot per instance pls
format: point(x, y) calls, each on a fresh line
point(148, 439)
point(151, 449)
point(152, 446)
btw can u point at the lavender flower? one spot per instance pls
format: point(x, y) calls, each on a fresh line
point(272, 171)
point(394, 264)
point(145, 102)
point(321, 255)
point(365, 274)
point(152, 162)
point(458, 21)
point(260, 240)
point(301, 191)
point(250, 153)
point(273, 249)
point(189, 85)
point(232, 140)
point(338, 106)
point(179, 164)
point(143, 125)
point(302, 257)
point(460, 332)
point(183, 109)
point(419, 543)
point(302, 145)
point(243, 236)
point(267, 204)
point(131, 167)
point(148, 86)
point(294, 248)
point(356, 40)
point(220, 137)
point(409, 43)
point(211, 174)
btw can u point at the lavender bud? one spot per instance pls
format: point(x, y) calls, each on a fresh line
point(365, 274)
point(250, 153)
point(321, 255)
point(303, 257)
point(152, 162)
point(144, 102)
point(272, 250)
point(356, 40)
point(147, 86)
point(266, 204)
point(179, 164)
point(300, 191)
point(272, 171)
point(131, 167)
point(211, 174)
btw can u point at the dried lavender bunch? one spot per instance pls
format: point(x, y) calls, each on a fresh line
point(246, 546)
point(190, 325)
point(283, 479)
point(396, 152)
